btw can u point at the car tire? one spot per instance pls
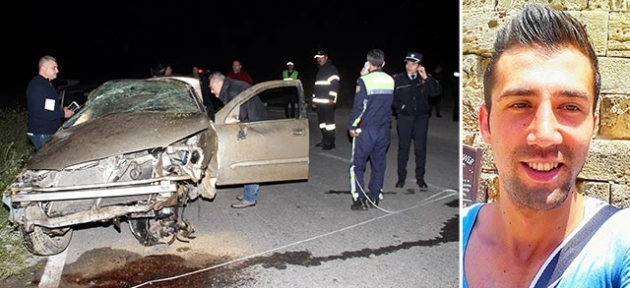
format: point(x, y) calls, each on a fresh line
point(141, 229)
point(39, 242)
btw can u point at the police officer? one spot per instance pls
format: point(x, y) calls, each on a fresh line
point(290, 99)
point(411, 103)
point(325, 98)
point(369, 125)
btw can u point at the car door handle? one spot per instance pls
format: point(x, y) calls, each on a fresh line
point(298, 132)
point(242, 133)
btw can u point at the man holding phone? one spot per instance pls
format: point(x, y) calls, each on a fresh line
point(411, 103)
point(45, 114)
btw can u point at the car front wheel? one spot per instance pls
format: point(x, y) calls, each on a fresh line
point(42, 242)
point(145, 231)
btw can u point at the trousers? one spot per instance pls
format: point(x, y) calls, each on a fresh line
point(416, 129)
point(326, 119)
point(38, 139)
point(371, 145)
point(250, 192)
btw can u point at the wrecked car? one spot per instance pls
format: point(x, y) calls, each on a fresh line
point(139, 150)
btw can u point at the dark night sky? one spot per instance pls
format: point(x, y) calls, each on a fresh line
point(117, 39)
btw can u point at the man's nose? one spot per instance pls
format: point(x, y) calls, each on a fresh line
point(544, 130)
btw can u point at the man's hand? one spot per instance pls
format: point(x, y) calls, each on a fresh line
point(365, 69)
point(67, 113)
point(355, 133)
point(423, 72)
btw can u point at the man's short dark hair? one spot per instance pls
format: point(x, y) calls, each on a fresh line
point(544, 28)
point(376, 57)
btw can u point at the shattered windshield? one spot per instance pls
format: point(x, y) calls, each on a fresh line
point(124, 96)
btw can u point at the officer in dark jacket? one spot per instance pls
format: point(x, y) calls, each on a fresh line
point(369, 125)
point(411, 103)
point(252, 110)
point(325, 98)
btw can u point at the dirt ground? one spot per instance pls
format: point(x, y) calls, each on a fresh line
point(204, 262)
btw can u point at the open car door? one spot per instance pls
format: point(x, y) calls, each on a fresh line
point(263, 151)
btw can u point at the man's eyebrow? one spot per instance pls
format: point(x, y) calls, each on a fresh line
point(531, 92)
point(515, 92)
point(575, 93)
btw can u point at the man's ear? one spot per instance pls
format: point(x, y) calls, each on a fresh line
point(484, 123)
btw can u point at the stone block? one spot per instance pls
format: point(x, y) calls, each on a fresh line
point(596, 23)
point(558, 4)
point(607, 160)
point(479, 28)
point(614, 117)
point(619, 34)
point(598, 190)
point(620, 195)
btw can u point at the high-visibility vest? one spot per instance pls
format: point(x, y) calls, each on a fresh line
point(286, 76)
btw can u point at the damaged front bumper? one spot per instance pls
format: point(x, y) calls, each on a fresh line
point(28, 205)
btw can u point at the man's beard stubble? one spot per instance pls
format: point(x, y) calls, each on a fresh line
point(539, 197)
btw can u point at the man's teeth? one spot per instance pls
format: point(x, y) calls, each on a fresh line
point(543, 166)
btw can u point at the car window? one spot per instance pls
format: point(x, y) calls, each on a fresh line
point(276, 100)
point(125, 96)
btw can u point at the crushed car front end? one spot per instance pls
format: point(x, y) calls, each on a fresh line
point(136, 152)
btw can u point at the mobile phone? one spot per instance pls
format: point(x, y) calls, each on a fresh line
point(366, 68)
point(74, 106)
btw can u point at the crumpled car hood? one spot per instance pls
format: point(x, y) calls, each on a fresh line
point(116, 134)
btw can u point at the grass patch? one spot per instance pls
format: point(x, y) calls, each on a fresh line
point(15, 149)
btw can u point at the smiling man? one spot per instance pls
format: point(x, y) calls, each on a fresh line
point(541, 88)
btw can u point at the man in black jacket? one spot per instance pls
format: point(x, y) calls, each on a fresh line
point(325, 98)
point(411, 103)
point(252, 110)
point(45, 114)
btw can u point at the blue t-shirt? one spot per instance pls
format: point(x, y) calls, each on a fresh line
point(604, 260)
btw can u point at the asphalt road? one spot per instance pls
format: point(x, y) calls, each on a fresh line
point(300, 234)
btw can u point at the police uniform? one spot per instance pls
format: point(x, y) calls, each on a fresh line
point(325, 97)
point(371, 113)
point(411, 103)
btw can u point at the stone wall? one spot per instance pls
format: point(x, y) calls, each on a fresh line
point(606, 174)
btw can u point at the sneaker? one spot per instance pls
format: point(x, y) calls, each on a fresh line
point(240, 197)
point(359, 205)
point(243, 204)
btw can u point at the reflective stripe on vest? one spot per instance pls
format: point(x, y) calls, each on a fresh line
point(375, 83)
point(286, 76)
point(378, 83)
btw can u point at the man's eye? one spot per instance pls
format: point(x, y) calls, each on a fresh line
point(520, 105)
point(572, 107)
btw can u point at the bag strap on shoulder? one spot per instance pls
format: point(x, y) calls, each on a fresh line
point(556, 267)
